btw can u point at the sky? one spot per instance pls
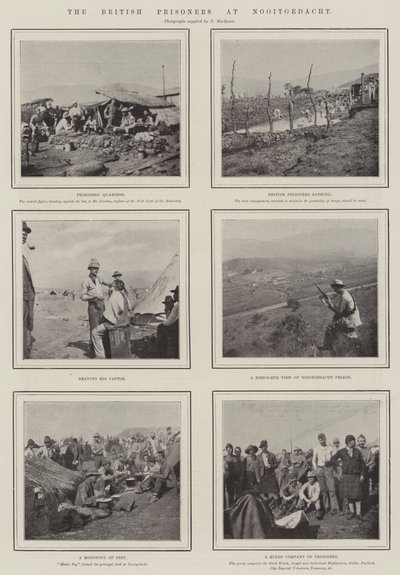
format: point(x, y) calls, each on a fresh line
point(49, 63)
point(246, 422)
point(140, 250)
point(291, 59)
point(274, 229)
point(62, 419)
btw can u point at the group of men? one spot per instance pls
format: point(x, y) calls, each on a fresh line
point(103, 316)
point(109, 464)
point(113, 314)
point(327, 478)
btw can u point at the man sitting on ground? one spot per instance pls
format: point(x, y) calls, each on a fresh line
point(164, 479)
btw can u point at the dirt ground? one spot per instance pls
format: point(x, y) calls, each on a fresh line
point(61, 330)
point(159, 521)
point(350, 148)
point(52, 162)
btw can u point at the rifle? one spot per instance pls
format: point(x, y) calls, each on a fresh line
point(325, 295)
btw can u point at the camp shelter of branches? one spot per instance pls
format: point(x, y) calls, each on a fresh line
point(166, 111)
point(47, 484)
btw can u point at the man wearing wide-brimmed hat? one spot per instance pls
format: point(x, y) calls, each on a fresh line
point(29, 297)
point(31, 448)
point(48, 451)
point(252, 472)
point(92, 292)
point(346, 317)
point(309, 495)
point(268, 464)
point(168, 330)
point(98, 451)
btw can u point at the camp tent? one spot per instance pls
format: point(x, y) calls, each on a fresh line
point(162, 287)
point(166, 111)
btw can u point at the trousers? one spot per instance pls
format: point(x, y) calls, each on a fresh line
point(28, 311)
point(326, 480)
point(95, 313)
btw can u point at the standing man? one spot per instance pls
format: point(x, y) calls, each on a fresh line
point(169, 330)
point(92, 292)
point(321, 461)
point(353, 475)
point(346, 317)
point(98, 451)
point(76, 115)
point(366, 452)
point(29, 297)
point(268, 464)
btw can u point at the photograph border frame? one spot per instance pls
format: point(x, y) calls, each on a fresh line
point(16, 181)
point(105, 394)
point(217, 354)
point(185, 362)
point(250, 183)
point(384, 392)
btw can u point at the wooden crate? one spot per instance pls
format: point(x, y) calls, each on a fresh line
point(120, 342)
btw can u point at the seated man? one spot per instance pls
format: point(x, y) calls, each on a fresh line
point(90, 124)
point(63, 125)
point(116, 314)
point(309, 495)
point(145, 474)
point(85, 496)
point(164, 479)
point(290, 494)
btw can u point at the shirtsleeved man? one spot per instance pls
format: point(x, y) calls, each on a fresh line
point(346, 317)
point(92, 292)
point(116, 314)
point(29, 297)
point(322, 455)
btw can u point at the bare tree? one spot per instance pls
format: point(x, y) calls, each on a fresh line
point(290, 110)
point(328, 118)
point(233, 99)
point(311, 98)
point(268, 98)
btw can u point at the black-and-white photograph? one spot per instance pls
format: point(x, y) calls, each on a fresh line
point(300, 285)
point(291, 105)
point(98, 286)
point(302, 467)
point(102, 104)
point(102, 468)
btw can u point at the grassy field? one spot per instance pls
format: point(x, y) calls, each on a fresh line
point(259, 334)
point(350, 148)
point(251, 291)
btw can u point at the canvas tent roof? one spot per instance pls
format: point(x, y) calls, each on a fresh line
point(37, 101)
point(166, 281)
point(133, 98)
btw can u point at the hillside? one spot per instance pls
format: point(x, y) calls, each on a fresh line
point(325, 81)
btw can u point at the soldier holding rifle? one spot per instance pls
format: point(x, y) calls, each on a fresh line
point(346, 317)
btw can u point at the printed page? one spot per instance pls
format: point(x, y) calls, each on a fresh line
point(199, 227)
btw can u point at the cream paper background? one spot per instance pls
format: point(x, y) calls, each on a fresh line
point(200, 198)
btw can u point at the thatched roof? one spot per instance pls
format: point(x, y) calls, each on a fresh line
point(52, 478)
point(134, 98)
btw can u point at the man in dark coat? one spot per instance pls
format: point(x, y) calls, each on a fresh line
point(353, 475)
point(268, 464)
point(29, 297)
